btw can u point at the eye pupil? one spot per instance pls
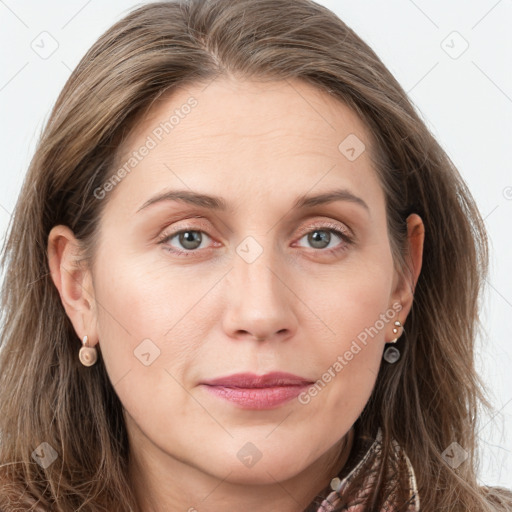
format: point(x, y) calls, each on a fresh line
point(318, 238)
point(190, 239)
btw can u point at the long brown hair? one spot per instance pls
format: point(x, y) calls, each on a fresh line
point(426, 401)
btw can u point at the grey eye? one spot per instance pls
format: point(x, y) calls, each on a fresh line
point(319, 238)
point(190, 239)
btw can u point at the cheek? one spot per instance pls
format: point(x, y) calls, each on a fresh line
point(356, 315)
point(136, 312)
point(351, 303)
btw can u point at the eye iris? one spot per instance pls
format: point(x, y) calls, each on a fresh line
point(319, 237)
point(190, 239)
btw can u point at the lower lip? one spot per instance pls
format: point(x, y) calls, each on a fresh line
point(257, 398)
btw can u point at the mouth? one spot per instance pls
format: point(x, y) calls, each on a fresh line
point(251, 391)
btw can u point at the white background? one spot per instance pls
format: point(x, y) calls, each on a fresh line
point(465, 101)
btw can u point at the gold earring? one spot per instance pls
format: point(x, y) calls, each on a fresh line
point(398, 325)
point(87, 355)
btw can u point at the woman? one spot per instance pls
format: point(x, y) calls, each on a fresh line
point(241, 274)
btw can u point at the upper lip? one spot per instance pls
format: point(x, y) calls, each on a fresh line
point(251, 380)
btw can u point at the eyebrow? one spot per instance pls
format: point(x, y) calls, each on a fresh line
point(217, 203)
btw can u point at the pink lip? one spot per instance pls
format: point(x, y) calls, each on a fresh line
point(251, 391)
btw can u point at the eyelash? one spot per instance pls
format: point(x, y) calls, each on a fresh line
point(332, 228)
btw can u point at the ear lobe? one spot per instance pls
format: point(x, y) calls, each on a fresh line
point(72, 280)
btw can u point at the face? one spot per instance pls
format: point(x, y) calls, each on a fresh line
point(258, 278)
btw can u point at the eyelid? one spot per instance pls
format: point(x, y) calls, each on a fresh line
point(192, 223)
point(324, 224)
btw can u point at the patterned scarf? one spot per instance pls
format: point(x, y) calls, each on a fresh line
point(398, 466)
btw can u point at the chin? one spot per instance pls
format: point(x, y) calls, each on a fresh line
point(261, 474)
point(265, 466)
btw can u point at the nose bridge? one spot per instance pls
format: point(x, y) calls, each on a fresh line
point(256, 268)
point(258, 299)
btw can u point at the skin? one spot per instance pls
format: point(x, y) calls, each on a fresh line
point(211, 313)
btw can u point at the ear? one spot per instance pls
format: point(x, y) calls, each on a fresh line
point(406, 283)
point(73, 281)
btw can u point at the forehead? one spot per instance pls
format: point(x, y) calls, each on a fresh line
point(248, 134)
point(249, 108)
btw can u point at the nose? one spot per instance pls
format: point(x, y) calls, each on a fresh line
point(260, 302)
